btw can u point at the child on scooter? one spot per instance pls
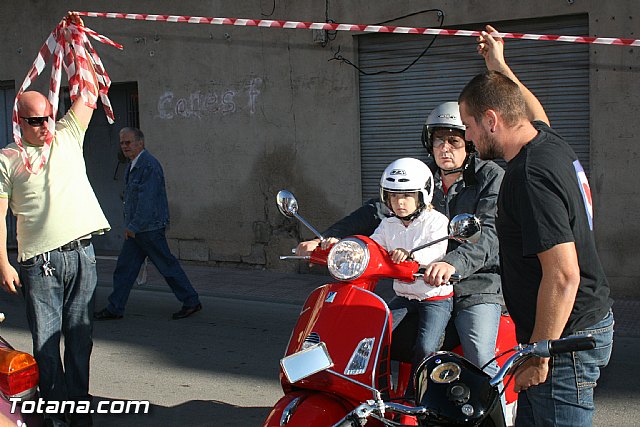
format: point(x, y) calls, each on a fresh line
point(406, 187)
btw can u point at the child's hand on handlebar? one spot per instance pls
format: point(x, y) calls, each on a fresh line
point(399, 255)
point(438, 273)
point(305, 248)
point(328, 242)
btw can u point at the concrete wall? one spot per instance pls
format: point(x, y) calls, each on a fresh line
point(237, 113)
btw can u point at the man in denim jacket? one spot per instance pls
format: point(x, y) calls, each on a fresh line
point(146, 215)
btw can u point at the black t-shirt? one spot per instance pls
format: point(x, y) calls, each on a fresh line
point(545, 201)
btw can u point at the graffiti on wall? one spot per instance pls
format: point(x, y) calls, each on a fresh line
point(201, 104)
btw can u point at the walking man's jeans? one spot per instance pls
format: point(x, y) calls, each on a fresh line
point(134, 251)
point(566, 397)
point(61, 304)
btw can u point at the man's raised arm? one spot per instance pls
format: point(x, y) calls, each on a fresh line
point(492, 49)
point(83, 112)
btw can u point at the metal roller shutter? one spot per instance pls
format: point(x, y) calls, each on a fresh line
point(394, 107)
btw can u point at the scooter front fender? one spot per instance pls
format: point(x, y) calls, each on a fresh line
point(307, 409)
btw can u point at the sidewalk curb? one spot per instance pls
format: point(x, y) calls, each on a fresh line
point(292, 288)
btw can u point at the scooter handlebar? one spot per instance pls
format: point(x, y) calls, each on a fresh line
point(545, 348)
point(453, 280)
point(359, 415)
point(549, 348)
point(353, 418)
point(286, 257)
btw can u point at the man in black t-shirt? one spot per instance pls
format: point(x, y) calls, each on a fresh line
point(545, 201)
point(552, 279)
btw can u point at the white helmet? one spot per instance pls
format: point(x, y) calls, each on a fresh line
point(407, 175)
point(447, 116)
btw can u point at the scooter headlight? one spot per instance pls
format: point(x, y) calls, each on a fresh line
point(348, 259)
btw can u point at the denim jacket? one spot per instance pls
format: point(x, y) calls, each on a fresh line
point(145, 197)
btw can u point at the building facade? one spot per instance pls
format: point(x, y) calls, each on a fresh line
point(236, 113)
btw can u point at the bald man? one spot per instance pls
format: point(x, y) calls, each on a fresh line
point(57, 213)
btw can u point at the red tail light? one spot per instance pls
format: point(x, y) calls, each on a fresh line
point(18, 373)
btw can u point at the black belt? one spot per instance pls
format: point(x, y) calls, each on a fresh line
point(74, 244)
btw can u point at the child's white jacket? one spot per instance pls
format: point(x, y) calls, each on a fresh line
point(428, 226)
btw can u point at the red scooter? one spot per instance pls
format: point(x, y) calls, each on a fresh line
point(450, 391)
point(353, 324)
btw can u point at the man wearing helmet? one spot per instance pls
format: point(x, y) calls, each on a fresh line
point(463, 184)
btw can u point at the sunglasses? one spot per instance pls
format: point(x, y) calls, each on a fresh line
point(453, 141)
point(35, 121)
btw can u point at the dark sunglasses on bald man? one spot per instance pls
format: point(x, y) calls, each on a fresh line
point(35, 121)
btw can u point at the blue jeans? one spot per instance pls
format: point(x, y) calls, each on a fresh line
point(61, 304)
point(477, 328)
point(152, 244)
point(433, 318)
point(566, 397)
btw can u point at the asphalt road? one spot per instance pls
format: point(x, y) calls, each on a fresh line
point(216, 368)
point(220, 367)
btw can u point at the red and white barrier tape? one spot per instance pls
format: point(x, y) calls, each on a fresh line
point(354, 27)
point(67, 45)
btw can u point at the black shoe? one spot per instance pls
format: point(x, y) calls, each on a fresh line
point(105, 314)
point(186, 312)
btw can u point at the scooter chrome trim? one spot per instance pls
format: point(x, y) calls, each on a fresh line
point(288, 412)
point(380, 339)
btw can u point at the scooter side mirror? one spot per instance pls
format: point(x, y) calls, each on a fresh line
point(288, 206)
point(307, 362)
point(287, 203)
point(465, 228)
point(462, 228)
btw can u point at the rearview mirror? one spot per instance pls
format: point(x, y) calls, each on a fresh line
point(288, 206)
point(306, 362)
point(465, 228)
point(287, 203)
